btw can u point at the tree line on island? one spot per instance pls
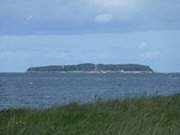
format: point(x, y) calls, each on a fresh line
point(88, 67)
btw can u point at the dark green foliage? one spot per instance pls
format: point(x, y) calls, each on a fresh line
point(148, 116)
point(92, 67)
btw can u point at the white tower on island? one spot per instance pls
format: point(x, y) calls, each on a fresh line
point(122, 70)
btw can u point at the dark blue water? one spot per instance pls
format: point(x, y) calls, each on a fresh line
point(40, 90)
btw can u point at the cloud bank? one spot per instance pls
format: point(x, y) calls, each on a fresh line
point(85, 16)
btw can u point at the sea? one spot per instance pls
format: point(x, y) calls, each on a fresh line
point(44, 90)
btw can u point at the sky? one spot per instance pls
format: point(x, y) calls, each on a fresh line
point(53, 32)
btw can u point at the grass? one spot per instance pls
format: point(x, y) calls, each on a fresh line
point(147, 116)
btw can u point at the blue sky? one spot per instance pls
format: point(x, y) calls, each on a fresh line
point(52, 32)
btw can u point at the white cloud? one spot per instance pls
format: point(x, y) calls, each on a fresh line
point(120, 9)
point(103, 18)
point(111, 4)
point(28, 18)
point(5, 54)
point(150, 55)
point(143, 45)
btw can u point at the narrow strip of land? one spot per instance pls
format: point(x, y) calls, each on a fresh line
point(94, 68)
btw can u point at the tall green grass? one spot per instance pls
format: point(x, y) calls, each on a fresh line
point(147, 116)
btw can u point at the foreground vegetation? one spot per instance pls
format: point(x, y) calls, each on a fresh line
point(148, 116)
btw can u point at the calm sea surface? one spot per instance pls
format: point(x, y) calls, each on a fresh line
point(41, 90)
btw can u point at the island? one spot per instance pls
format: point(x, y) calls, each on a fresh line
point(94, 68)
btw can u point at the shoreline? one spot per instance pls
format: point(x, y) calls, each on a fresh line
point(94, 72)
